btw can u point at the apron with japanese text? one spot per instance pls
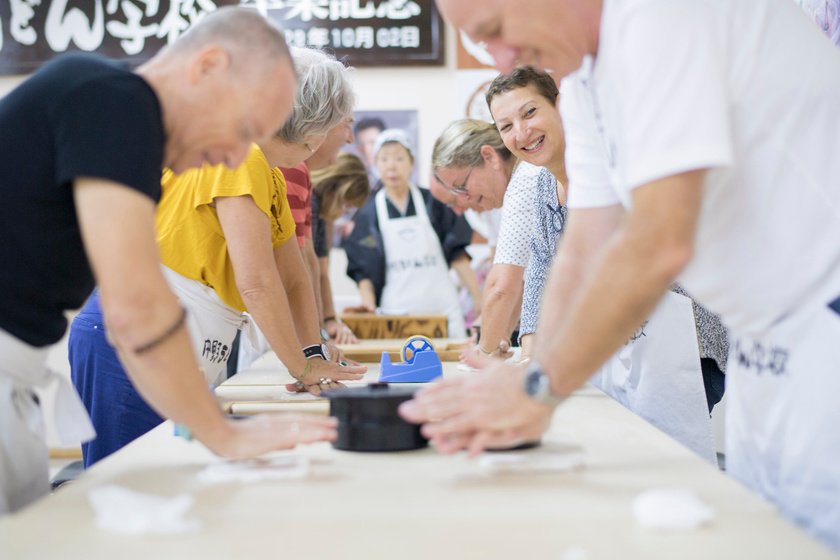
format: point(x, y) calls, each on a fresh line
point(212, 324)
point(657, 375)
point(417, 274)
point(783, 416)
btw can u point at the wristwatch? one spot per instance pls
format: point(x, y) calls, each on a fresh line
point(325, 336)
point(538, 386)
point(319, 350)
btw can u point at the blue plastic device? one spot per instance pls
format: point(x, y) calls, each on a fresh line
point(424, 366)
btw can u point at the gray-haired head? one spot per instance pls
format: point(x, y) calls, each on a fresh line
point(459, 145)
point(324, 97)
point(242, 31)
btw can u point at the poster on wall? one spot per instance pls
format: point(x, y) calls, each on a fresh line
point(360, 32)
point(367, 127)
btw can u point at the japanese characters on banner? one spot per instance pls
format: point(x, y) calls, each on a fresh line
point(366, 32)
point(363, 32)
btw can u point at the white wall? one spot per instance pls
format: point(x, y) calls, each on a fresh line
point(8, 83)
point(429, 90)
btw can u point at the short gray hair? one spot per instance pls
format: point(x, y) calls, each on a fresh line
point(243, 31)
point(324, 98)
point(459, 145)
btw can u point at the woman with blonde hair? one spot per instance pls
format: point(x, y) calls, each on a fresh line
point(471, 160)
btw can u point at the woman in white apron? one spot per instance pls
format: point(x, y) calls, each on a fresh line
point(400, 257)
point(657, 373)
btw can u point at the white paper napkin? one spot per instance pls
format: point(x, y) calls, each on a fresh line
point(671, 509)
point(129, 512)
point(255, 470)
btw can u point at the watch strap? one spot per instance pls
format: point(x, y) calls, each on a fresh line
point(314, 350)
point(538, 386)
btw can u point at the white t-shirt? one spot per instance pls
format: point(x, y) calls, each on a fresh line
point(747, 88)
point(486, 224)
point(518, 216)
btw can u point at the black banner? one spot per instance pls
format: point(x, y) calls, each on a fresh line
point(361, 32)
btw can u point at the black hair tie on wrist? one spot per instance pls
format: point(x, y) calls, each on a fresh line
point(159, 340)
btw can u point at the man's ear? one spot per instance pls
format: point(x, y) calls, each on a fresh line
point(209, 61)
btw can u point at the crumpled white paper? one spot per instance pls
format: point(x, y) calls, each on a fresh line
point(532, 462)
point(671, 508)
point(129, 512)
point(255, 470)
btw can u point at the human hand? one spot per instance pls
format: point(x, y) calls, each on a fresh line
point(326, 375)
point(363, 308)
point(479, 410)
point(268, 432)
point(477, 351)
point(336, 353)
point(340, 333)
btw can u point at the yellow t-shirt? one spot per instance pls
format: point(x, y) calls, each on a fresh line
point(190, 236)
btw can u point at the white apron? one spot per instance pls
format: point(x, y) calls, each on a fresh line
point(212, 324)
point(783, 417)
point(24, 459)
point(416, 272)
point(658, 376)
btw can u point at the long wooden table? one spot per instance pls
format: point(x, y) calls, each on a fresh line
point(419, 504)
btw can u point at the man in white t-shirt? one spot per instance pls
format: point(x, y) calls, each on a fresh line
point(702, 146)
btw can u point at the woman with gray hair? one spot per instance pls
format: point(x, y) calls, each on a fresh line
point(223, 237)
point(472, 161)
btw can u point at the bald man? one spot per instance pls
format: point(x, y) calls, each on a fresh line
point(702, 142)
point(83, 145)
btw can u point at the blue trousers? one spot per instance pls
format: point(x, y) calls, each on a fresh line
point(118, 412)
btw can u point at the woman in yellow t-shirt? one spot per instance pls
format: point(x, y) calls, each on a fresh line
point(224, 241)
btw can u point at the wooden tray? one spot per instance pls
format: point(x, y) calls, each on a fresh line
point(448, 350)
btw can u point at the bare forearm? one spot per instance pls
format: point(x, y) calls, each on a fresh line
point(624, 290)
point(169, 380)
point(647, 252)
point(368, 293)
point(502, 302)
point(300, 295)
point(117, 226)
point(328, 307)
point(269, 305)
point(314, 269)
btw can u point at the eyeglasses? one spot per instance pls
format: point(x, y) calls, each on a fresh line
point(457, 189)
point(558, 217)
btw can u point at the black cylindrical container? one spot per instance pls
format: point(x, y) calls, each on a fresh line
point(368, 419)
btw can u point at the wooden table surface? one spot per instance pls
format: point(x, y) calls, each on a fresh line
point(421, 504)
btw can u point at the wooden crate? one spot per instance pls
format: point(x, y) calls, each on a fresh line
point(370, 325)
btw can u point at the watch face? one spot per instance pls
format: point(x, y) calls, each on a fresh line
point(325, 336)
point(533, 382)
